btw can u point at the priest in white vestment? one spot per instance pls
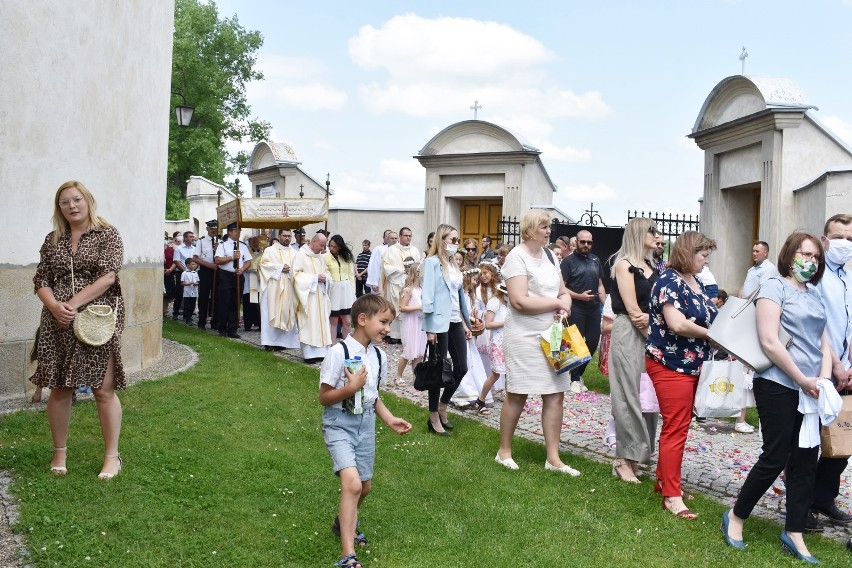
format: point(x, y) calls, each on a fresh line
point(375, 277)
point(394, 270)
point(314, 309)
point(278, 295)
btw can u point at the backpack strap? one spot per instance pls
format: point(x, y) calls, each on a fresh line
point(345, 350)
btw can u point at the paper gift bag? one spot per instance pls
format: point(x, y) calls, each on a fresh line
point(836, 438)
point(569, 353)
point(720, 389)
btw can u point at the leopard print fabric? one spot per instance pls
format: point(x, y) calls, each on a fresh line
point(62, 360)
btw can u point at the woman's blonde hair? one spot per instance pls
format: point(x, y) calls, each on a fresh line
point(633, 244)
point(530, 222)
point(467, 284)
point(413, 278)
point(438, 249)
point(60, 224)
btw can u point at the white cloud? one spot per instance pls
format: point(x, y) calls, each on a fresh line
point(438, 67)
point(587, 193)
point(553, 153)
point(400, 186)
point(839, 126)
point(311, 96)
point(409, 47)
point(297, 82)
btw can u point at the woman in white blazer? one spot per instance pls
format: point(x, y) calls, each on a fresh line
point(445, 319)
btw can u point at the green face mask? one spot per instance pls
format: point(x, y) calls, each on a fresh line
point(803, 270)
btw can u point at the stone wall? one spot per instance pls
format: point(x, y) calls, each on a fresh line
point(89, 101)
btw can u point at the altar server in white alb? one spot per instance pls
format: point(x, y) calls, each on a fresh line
point(394, 268)
point(311, 281)
point(375, 276)
point(278, 295)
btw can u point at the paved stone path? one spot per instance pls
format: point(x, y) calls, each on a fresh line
point(716, 461)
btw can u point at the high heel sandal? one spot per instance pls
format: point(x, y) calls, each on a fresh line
point(59, 469)
point(107, 475)
point(616, 472)
point(684, 513)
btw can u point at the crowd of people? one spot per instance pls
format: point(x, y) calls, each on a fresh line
point(484, 311)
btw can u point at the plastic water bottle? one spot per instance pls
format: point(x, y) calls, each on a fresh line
point(355, 404)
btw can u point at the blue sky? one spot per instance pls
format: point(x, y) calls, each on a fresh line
point(608, 90)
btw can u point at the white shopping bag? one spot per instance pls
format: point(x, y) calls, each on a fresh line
point(720, 390)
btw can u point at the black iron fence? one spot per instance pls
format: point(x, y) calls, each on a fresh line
point(671, 225)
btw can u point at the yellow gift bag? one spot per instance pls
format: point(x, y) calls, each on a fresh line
point(564, 347)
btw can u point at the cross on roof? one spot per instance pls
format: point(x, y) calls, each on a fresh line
point(476, 106)
point(743, 56)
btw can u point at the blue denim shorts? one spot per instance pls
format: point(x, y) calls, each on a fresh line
point(350, 439)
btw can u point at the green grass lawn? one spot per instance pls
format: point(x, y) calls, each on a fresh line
point(225, 466)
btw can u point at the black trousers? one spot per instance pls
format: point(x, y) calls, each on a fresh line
point(188, 309)
point(226, 301)
point(178, 303)
point(205, 296)
point(587, 317)
point(780, 422)
point(251, 313)
point(827, 484)
point(453, 341)
point(359, 287)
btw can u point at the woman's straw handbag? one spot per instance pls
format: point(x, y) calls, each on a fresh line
point(96, 324)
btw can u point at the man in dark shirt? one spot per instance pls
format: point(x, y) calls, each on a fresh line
point(583, 276)
point(362, 263)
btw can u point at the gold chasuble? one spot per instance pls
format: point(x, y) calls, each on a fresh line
point(278, 285)
point(314, 308)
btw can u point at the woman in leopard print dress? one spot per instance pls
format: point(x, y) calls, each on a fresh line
point(83, 239)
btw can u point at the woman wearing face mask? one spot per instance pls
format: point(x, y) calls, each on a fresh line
point(790, 301)
point(445, 319)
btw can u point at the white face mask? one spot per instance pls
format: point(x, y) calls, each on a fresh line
point(839, 251)
point(451, 249)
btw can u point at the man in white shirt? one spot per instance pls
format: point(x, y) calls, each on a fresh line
point(205, 250)
point(182, 254)
point(277, 295)
point(762, 270)
point(393, 265)
point(836, 290)
point(375, 275)
point(299, 239)
point(233, 258)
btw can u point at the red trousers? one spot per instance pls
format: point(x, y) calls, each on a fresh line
point(676, 394)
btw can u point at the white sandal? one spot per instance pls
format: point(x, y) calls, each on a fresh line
point(59, 469)
point(107, 475)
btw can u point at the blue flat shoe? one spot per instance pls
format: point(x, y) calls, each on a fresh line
point(790, 548)
point(726, 520)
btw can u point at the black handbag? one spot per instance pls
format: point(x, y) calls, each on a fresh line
point(428, 374)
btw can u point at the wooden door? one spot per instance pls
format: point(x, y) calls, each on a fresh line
point(479, 218)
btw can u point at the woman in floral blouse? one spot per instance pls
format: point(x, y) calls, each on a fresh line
point(677, 346)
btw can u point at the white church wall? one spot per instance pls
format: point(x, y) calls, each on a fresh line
point(355, 225)
point(473, 186)
point(536, 187)
point(740, 166)
point(86, 98)
point(807, 153)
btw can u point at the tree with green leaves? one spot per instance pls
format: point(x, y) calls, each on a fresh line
point(212, 62)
